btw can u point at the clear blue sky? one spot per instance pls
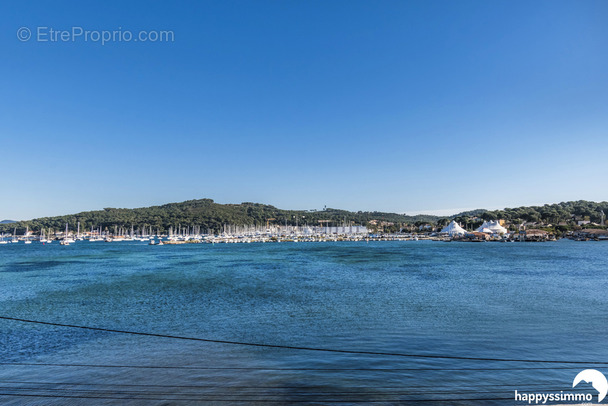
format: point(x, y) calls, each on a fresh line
point(406, 106)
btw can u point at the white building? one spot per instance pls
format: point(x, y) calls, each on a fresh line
point(453, 229)
point(346, 230)
point(492, 227)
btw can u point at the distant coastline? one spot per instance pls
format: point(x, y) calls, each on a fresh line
point(212, 218)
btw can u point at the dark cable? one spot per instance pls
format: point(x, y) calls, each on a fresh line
point(291, 347)
point(278, 369)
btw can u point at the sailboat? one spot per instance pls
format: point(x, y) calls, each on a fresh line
point(66, 240)
point(26, 236)
point(43, 238)
point(95, 236)
point(14, 239)
point(129, 237)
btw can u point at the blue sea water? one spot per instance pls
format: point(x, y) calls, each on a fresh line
point(524, 301)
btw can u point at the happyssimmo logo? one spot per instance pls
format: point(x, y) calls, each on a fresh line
point(592, 376)
point(596, 379)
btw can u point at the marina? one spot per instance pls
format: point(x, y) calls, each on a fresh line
point(239, 234)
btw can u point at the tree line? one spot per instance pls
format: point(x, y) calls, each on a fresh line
point(211, 217)
point(206, 214)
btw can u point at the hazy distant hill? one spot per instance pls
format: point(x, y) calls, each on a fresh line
point(210, 216)
point(7, 221)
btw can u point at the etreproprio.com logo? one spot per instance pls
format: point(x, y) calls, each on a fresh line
point(80, 34)
point(592, 376)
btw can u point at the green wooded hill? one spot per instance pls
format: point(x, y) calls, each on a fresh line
point(211, 216)
point(207, 215)
point(560, 215)
point(551, 213)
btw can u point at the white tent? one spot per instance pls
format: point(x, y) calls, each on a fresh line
point(453, 229)
point(492, 227)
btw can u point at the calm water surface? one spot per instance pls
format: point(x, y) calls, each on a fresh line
point(545, 301)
